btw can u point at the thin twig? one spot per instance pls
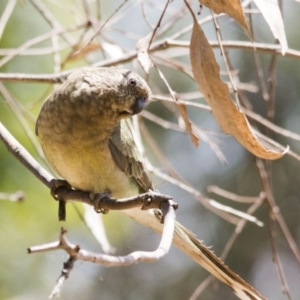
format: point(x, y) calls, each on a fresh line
point(128, 57)
point(38, 40)
point(274, 215)
point(258, 66)
point(6, 15)
point(238, 229)
point(19, 116)
point(101, 25)
point(159, 22)
point(24, 157)
point(223, 213)
point(145, 15)
point(158, 152)
point(231, 196)
point(271, 126)
point(94, 223)
point(18, 196)
point(75, 253)
point(227, 62)
point(50, 19)
point(276, 258)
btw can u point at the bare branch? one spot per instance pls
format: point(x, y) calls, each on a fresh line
point(14, 197)
point(159, 22)
point(158, 46)
point(101, 202)
point(75, 253)
point(238, 229)
point(20, 153)
point(275, 216)
point(242, 199)
point(6, 15)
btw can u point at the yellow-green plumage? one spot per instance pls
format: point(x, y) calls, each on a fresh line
point(84, 133)
point(85, 137)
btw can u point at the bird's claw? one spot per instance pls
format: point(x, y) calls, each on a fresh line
point(153, 199)
point(96, 199)
point(57, 183)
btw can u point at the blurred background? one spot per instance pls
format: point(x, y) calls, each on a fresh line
point(26, 46)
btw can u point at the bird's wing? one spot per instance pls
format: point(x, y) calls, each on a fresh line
point(125, 153)
point(128, 158)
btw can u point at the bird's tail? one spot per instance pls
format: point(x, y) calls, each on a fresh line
point(187, 243)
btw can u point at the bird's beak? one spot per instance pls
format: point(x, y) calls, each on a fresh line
point(139, 105)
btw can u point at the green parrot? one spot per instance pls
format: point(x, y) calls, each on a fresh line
point(85, 135)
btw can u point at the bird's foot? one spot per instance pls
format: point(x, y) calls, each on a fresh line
point(97, 199)
point(153, 199)
point(55, 184)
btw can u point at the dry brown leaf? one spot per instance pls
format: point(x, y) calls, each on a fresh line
point(143, 54)
point(188, 124)
point(231, 120)
point(230, 7)
point(181, 109)
point(271, 12)
point(86, 50)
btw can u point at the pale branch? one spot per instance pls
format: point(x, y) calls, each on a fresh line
point(38, 40)
point(94, 223)
point(33, 51)
point(251, 114)
point(67, 268)
point(76, 253)
point(101, 202)
point(158, 46)
point(39, 78)
point(6, 15)
point(235, 45)
point(275, 216)
point(48, 17)
point(232, 196)
point(158, 23)
point(20, 153)
point(226, 212)
point(51, 20)
point(17, 110)
point(226, 59)
point(238, 229)
point(274, 210)
point(100, 27)
point(13, 197)
point(236, 212)
point(258, 65)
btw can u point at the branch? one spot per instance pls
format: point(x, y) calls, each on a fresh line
point(101, 203)
point(61, 191)
point(75, 253)
point(13, 197)
point(24, 157)
point(158, 46)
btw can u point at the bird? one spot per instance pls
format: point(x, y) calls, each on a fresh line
point(84, 131)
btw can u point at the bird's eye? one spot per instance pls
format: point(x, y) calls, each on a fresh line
point(132, 82)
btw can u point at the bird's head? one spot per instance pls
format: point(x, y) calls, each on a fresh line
point(129, 94)
point(136, 93)
point(109, 92)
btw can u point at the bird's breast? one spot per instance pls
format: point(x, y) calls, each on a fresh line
point(86, 162)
